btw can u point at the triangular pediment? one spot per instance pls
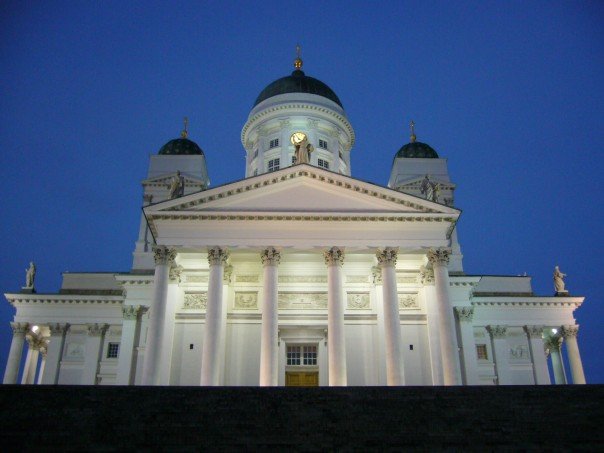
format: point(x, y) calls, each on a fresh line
point(301, 189)
point(416, 182)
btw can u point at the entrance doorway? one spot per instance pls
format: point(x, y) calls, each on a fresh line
point(301, 379)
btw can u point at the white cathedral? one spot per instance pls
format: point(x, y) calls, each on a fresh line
point(296, 275)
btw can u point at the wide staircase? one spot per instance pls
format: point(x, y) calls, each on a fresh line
point(80, 418)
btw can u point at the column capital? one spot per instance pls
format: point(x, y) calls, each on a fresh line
point(175, 271)
point(217, 256)
point(425, 276)
point(19, 327)
point(270, 257)
point(439, 256)
point(35, 343)
point(96, 330)
point(58, 328)
point(387, 256)
point(334, 256)
point(498, 331)
point(534, 331)
point(465, 314)
point(131, 311)
point(570, 330)
point(553, 342)
point(376, 272)
point(163, 254)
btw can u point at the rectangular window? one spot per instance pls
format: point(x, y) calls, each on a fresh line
point(293, 159)
point(293, 355)
point(481, 352)
point(323, 163)
point(302, 355)
point(256, 172)
point(322, 144)
point(113, 350)
point(273, 165)
point(273, 143)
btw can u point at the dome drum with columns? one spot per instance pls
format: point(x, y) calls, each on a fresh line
point(297, 275)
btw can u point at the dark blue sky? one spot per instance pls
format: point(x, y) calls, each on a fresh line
point(511, 93)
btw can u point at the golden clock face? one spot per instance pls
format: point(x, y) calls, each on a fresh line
point(297, 138)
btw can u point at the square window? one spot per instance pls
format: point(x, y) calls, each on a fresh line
point(323, 163)
point(273, 143)
point(273, 165)
point(322, 144)
point(113, 350)
point(481, 352)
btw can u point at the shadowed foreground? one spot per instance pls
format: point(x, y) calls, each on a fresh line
point(353, 418)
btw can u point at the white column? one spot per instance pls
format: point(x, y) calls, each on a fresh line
point(336, 344)
point(31, 361)
point(94, 349)
point(426, 279)
point(501, 352)
point(448, 341)
point(395, 374)
point(269, 350)
point(380, 357)
point(130, 332)
point(468, 345)
point(164, 258)
point(16, 351)
point(538, 356)
point(553, 344)
point(210, 360)
point(54, 353)
point(572, 349)
point(44, 352)
point(174, 296)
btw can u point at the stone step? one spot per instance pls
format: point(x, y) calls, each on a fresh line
point(349, 418)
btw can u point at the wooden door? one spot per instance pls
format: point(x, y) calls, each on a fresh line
point(302, 379)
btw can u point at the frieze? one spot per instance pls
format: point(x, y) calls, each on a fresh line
point(302, 301)
point(357, 301)
point(356, 278)
point(195, 301)
point(246, 300)
point(197, 278)
point(302, 279)
point(408, 301)
point(248, 278)
point(406, 279)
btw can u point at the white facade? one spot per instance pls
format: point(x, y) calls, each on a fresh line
point(296, 275)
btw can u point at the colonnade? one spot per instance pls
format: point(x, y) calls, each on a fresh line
point(270, 258)
point(543, 342)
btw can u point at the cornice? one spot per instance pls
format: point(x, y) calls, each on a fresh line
point(64, 299)
point(526, 302)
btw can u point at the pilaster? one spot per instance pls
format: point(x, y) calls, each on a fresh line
point(501, 351)
point(94, 349)
point(465, 316)
point(538, 358)
point(54, 354)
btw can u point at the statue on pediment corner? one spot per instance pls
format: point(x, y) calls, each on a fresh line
point(30, 275)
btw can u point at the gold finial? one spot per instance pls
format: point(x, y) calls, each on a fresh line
point(298, 60)
point(413, 137)
point(185, 132)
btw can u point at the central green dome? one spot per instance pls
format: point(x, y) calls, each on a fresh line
point(297, 82)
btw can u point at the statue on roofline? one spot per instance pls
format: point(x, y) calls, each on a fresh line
point(559, 281)
point(30, 275)
point(177, 186)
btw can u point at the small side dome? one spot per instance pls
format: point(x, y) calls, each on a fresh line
point(180, 147)
point(417, 150)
